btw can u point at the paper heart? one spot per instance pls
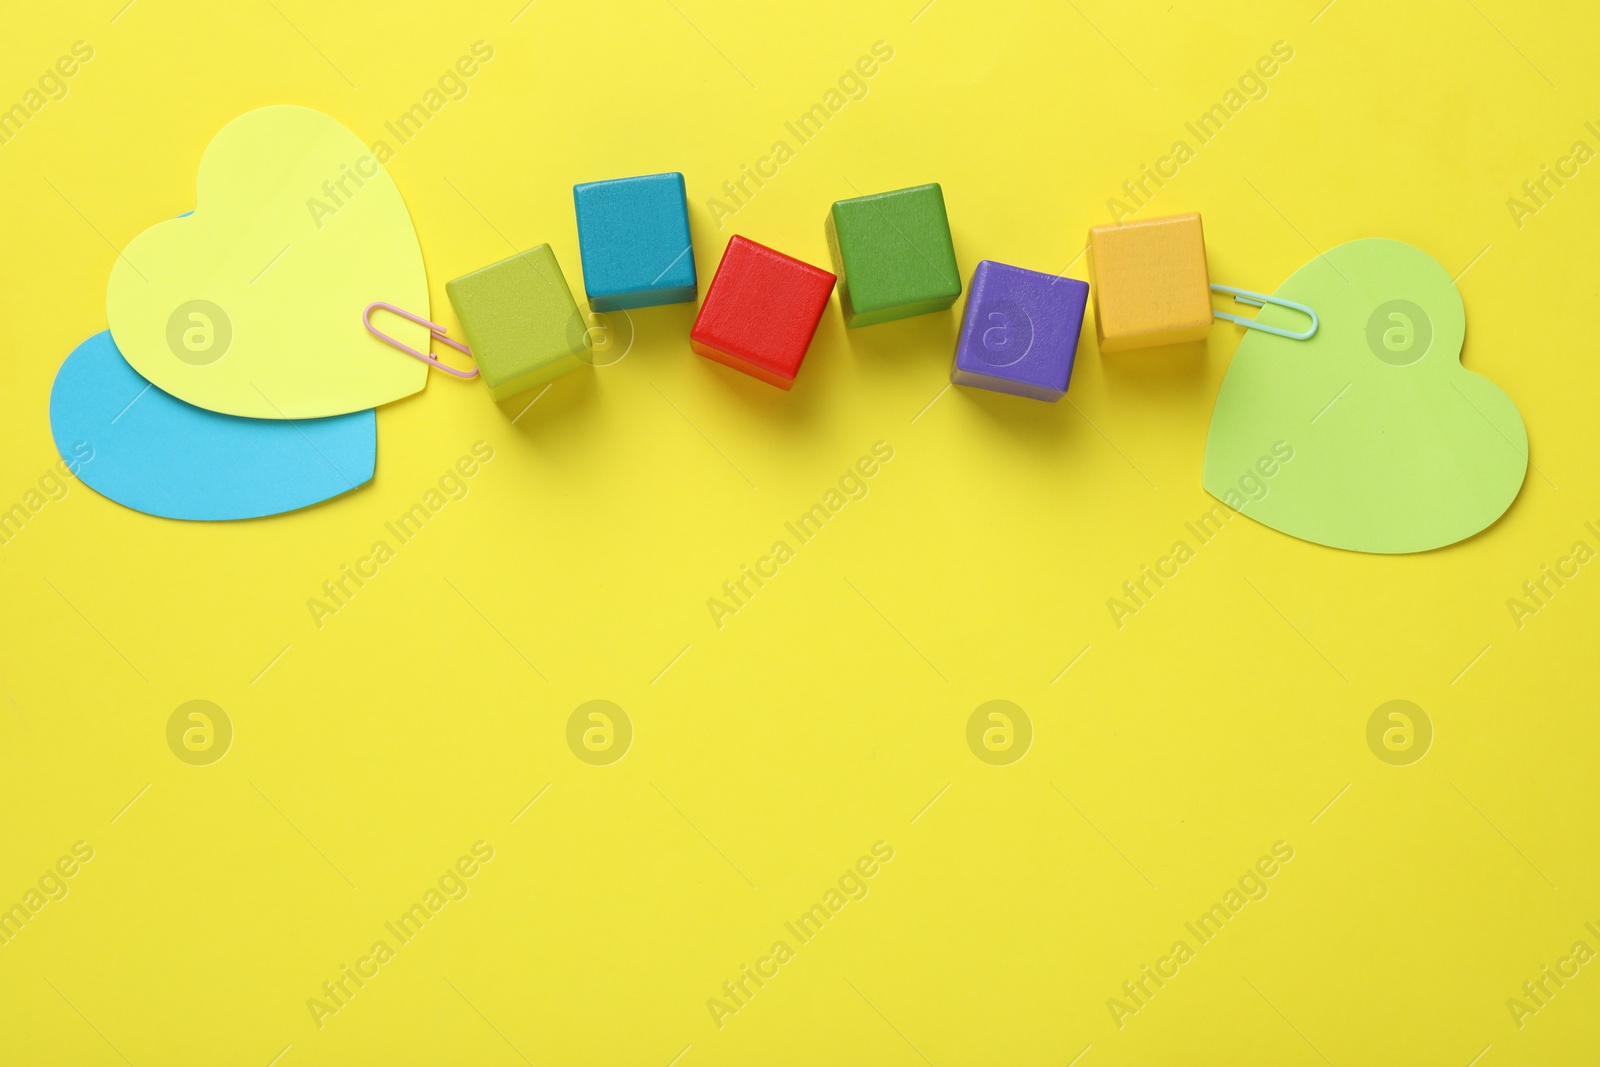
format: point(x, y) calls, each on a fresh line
point(1371, 436)
point(132, 443)
point(251, 305)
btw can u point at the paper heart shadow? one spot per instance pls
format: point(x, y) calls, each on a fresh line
point(1371, 436)
point(251, 304)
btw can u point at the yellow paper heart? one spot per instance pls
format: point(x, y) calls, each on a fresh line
point(252, 304)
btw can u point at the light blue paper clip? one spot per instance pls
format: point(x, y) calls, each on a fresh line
point(1245, 296)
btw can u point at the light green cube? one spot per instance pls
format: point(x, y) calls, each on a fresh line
point(521, 322)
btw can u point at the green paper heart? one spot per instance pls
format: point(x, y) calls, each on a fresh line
point(1371, 436)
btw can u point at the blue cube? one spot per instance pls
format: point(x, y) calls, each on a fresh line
point(1020, 332)
point(633, 234)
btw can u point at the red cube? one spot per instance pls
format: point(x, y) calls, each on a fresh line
point(761, 312)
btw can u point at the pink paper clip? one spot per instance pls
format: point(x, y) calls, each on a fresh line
point(438, 334)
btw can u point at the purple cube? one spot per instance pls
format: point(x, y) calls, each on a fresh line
point(1020, 332)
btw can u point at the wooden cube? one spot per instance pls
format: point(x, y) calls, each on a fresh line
point(520, 321)
point(1020, 332)
point(893, 255)
point(633, 237)
point(1151, 286)
point(761, 312)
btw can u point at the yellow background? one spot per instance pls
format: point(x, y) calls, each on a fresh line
point(825, 716)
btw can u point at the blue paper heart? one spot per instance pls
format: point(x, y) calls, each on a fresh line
point(154, 453)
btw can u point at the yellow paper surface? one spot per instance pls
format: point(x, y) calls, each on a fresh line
point(252, 305)
point(1168, 755)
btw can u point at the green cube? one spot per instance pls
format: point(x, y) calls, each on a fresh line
point(893, 255)
point(521, 322)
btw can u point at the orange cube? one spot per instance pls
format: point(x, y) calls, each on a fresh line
point(1151, 286)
